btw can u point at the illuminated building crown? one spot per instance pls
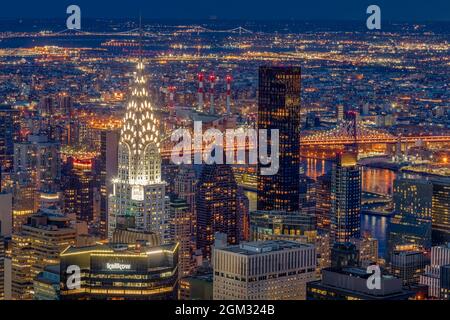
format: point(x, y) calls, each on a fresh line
point(139, 158)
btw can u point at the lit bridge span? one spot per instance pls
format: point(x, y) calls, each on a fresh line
point(346, 133)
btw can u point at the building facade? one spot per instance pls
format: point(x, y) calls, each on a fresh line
point(139, 196)
point(279, 109)
point(121, 272)
point(345, 198)
point(36, 246)
point(263, 270)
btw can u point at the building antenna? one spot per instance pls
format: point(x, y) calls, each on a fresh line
point(140, 35)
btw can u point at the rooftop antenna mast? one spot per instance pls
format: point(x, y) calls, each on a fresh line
point(140, 36)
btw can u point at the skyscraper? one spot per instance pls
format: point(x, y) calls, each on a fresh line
point(411, 224)
point(441, 211)
point(185, 184)
point(78, 188)
point(9, 134)
point(109, 140)
point(182, 224)
point(323, 202)
point(217, 207)
point(139, 195)
point(279, 108)
point(37, 169)
point(345, 198)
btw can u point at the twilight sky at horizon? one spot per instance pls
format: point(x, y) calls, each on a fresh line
point(397, 10)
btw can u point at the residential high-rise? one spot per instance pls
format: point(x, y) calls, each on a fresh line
point(263, 270)
point(345, 198)
point(279, 109)
point(139, 196)
point(217, 207)
point(36, 246)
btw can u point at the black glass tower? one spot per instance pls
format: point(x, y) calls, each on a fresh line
point(279, 108)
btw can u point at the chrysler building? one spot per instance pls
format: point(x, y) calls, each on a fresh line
point(139, 197)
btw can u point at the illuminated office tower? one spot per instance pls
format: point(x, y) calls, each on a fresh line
point(36, 246)
point(279, 108)
point(121, 272)
point(139, 196)
point(323, 202)
point(109, 140)
point(263, 270)
point(440, 256)
point(441, 211)
point(217, 207)
point(78, 188)
point(345, 198)
point(182, 225)
point(9, 134)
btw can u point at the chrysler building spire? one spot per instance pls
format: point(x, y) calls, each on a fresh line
point(138, 200)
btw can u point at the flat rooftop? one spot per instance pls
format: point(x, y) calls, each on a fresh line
point(258, 247)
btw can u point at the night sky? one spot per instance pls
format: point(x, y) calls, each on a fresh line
point(393, 10)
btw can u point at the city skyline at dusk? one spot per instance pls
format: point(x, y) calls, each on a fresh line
point(189, 151)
